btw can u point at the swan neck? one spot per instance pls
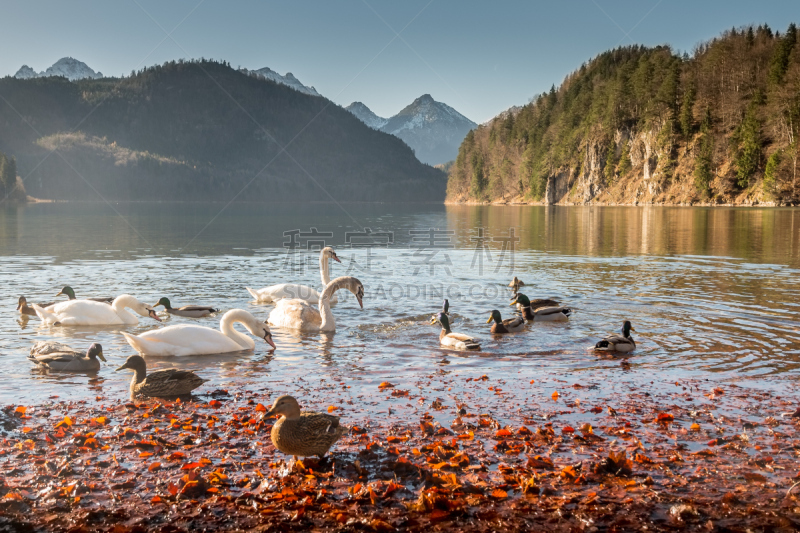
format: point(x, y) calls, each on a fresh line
point(324, 268)
point(226, 326)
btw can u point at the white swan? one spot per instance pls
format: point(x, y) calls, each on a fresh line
point(189, 339)
point(282, 291)
point(299, 314)
point(91, 313)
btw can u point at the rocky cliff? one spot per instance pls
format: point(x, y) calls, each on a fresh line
point(641, 125)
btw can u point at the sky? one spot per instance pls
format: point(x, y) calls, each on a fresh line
point(480, 57)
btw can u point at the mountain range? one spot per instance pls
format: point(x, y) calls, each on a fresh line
point(201, 130)
point(70, 68)
point(434, 130)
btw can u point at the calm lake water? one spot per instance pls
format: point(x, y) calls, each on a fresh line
point(712, 293)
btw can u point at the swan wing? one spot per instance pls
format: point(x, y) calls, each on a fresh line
point(295, 314)
point(85, 313)
point(184, 339)
point(287, 291)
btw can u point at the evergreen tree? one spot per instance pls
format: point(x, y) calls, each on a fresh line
point(771, 174)
point(747, 146)
point(704, 158)
point(780, 57)
point(687, 115)
point(478, 177)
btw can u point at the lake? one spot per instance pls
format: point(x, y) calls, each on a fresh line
point(712, 292)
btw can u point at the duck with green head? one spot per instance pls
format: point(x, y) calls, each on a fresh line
point(508, 325)
point(191, 311)
point(540, 314)
point(617, 343)
point(447, 338)
point(70, 293)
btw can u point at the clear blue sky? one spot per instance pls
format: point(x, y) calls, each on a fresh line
point(479, 57)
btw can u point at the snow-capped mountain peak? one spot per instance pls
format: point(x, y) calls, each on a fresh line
point(434, 130)
point(288, 80)
point(69, 67)
point(365, 115)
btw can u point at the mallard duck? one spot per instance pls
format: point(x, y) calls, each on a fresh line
point(515, 284)
point(542, 313)
point(445, 310)
point(191, 339)
point(69, 293)
point(57, 356)
point(505, 326)
point(92, 313)
point(302, 434)
point(161, 383)
point(616, 343)
point(459, 341)
point(25, 309)
point(192, 311)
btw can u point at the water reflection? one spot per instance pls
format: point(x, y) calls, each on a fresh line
point(711, 291)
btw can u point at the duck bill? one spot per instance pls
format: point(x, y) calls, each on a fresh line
point(433, 320)
point(490, 319)
point(360, 302)
point(100, 356)
point(123, 367)
point(270, 413)
point(269, 340)
point(19, 306)
point(152, 314)
point(60, 293)
point(512, 304)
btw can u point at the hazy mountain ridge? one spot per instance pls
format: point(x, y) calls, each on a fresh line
point(640, 125)
point(288, 80)
point(68, 67)
point(169, 132)
point(366, 115)
point(434, 130)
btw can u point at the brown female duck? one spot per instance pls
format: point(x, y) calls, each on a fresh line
point(302, 434)
point(161, 383)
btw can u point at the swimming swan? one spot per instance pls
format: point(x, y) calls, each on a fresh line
point(282, 291)
point(189, 339)
point(91, 313)
point(299, 314)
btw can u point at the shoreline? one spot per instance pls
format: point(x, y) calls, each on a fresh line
point(506, 454)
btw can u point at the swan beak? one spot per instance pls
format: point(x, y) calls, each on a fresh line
point(268, 338)
point(490, 319)
point(360, 302)
point(153, 314)
point(336, 258)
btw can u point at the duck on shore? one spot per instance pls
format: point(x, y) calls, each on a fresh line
point(302, 434)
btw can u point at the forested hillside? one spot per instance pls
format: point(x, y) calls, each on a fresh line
point(642, 125)
point(200, 131)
